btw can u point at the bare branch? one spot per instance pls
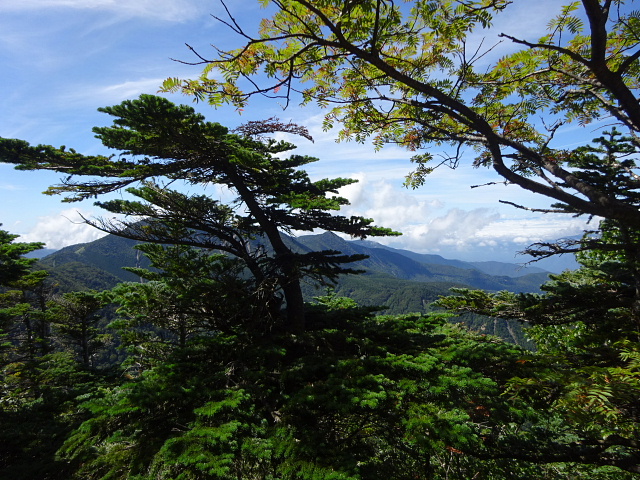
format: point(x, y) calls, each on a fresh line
point(529, 209)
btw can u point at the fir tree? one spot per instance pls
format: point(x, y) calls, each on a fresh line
point(161, 140)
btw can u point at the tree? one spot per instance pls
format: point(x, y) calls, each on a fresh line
point(161, 140)
point(586, 368)
point(74, 317)
point(188, 294)
point(37, 384)
point(586, 325)
point(614, 245)
point(23, 296)
point(404, 74)
point(13, 264)
point(353, 397)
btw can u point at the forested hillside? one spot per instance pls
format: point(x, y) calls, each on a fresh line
point(391, 281)
point(102, 263)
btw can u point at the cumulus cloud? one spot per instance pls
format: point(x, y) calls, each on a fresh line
point(454, 229)
point(432, 226)
point(425, 223)
point(535, 229)
point(389, 204)
point(63, 229)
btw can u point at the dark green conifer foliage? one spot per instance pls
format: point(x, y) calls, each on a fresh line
point(354, 397)
point(13, 264)
point(161, 140)
point(586, 325)
point(38, 384)
point(23, 297)
point(587, 365)
point(74, 317)
point(188, 294)
point(13, 267)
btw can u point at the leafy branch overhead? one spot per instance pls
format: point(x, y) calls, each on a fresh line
point(406, 74)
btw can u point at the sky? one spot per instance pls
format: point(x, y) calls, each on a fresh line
point(62, 59)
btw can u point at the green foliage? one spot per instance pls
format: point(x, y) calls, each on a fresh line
point(585, 369)
point(354, 397)
point(39, 379)
point(188, 294)
point(74, 317)
point(158, 139)
point(22, 301)
point(586, 324)
point(37, 412)
point(13, 264)
point(403, 74)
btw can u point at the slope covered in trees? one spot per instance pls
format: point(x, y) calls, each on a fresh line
point(108, 256)
point(206, 395)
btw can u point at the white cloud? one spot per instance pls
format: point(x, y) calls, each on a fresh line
point(433, 226)
point(63, 229)
point(424, 223)
point(113, 93)
point(388, 204)
point(130, 89)
point(456, 228)
point(165, 10)
point(535, 229)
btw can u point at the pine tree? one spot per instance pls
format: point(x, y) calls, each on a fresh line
point(161, 140)
point(38, 384)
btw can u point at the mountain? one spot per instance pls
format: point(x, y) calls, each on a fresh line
point(43, 252)
point(399, 281)
point(96, 265)
point(489, 267)
point(402, 264)
point(100, 264)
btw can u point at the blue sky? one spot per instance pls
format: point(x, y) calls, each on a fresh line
point(62, 59)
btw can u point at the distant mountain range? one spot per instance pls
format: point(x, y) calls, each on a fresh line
point(99, 264)
point(490, 267)
point(400, 281)
point(423, 267)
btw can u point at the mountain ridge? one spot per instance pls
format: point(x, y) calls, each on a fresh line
point(491, 267)
point(109, 254)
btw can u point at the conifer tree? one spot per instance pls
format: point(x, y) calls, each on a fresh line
point(74, 317)
point(585, 324)
point(37, 383)
point(23, 297)
point(158, 139)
